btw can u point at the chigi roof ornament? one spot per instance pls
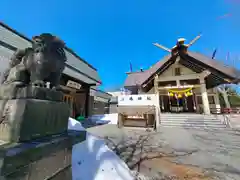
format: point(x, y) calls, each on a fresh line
point(180, 45)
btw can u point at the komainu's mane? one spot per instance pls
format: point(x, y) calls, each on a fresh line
point(53, 43)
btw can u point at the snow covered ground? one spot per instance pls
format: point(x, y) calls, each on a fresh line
point(176, 153)
point(93, 160)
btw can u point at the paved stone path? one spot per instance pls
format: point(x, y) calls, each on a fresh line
point(177, 153)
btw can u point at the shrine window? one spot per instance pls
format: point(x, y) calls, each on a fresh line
point(211, 99)
point(199, 99)
point(177, 71)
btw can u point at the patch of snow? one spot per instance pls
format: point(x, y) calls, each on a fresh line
point(93, 160)
point(73, 124)
point(108, 118)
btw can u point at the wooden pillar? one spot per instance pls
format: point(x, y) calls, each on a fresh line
point(121, 118)
point(205, 102)
point(157, 105)
point(87, 101)
point(156, 84)
point(217, 101)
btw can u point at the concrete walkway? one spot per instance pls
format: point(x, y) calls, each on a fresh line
point(177, 152)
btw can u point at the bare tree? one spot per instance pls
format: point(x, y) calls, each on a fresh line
point(229, 89)
point(139, 147)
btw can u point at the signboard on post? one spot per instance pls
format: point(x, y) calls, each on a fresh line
point(138, 100)
point(73, 84)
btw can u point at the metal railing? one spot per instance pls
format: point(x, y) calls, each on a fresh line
point(235, 110)
point(229, 115)
point(226, 120)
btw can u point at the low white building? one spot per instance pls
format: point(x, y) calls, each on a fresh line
point(99, 101)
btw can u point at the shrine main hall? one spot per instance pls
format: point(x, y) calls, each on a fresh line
point(185, 82)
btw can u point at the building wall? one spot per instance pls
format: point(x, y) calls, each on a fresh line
point(80, 99)
point(100, 108)
point(197, 91)
point(118, 93)
point(213, 96)
point(76, 68)
point(114, 100)
point(171, 70)
point(113, 108)
point(76, 98)
point(113, 104)
point(99, 102)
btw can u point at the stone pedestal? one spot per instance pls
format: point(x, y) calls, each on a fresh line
point(14, 91)
point(34, 141)
point(27, 119)
point(34, 137)
point(31, 112)
point(45, 158)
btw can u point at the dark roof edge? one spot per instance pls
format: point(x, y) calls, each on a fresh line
point(101, 91)
point(15, 32)
point(170, 58)
point(153, 74)
point(13, 48)
point(78, 57)
point(219, 63)
point(28, 39)
point(134, 72)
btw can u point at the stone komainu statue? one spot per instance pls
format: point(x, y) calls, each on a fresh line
point(43, 62)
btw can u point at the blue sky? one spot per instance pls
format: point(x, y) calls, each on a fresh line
point(111, 33)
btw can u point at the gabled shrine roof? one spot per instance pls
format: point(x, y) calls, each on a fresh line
point(199, 63)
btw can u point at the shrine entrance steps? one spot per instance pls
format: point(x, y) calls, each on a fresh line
point(192, 120)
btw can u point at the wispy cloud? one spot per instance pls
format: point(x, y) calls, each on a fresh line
point(224, 16)
point(233, 1)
